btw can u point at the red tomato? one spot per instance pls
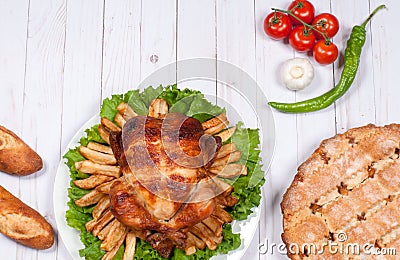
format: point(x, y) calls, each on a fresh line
point(326, 23)
point(277, 25)
point(303, 10)
point(325, 53)
point(302, 39)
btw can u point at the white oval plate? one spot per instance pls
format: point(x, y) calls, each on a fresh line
point(70, 236)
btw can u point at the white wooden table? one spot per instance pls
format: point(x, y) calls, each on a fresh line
point(60, 58)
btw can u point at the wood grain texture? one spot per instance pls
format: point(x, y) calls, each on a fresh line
point(357, 107)
point(158, 36)
point(269, 56)
point(385, 54)
point(199, 42)
point(322, 121)
point(235, 22)
point(121, 46)
point(12, 72)
point(59, 58)
point(82, 73)
point(44, 80)
point(83, 64)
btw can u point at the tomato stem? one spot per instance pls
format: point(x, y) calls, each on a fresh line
point(327, 39)
point(298, 5)
point(274, 20)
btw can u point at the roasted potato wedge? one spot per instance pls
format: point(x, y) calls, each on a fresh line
point(190, 250)
point(195, 240)
point(158, 108)
point(216, 239)
point(216, 129)
point(130, 246)
point(107, 123)
point(119, 119)
point(90, 224)
point(100, 147)
point(97, 157)
point(225, 135)
point(105, 187)
point(225, 188)
point(117, 231)
point(221, 214)
point(104, 232)
point(89, 199)
point(92, 181)
point(225, 150)
point(214, 121)
point(102, 222)
point(126, 111)
point(94, 222)
point(100, 207)
point(95, 168)
point(199, 233)
point(110, 254)
point(214, 224)
point(229, 171)
point(104, 134)
point(230, 158)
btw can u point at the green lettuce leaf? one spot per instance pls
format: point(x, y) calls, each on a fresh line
point(109, 107)
point(231, 242)
point(149, 94)
point(172, 95)
point(92, 250)
point(92, 135)
point(202, 109)
point(76, 216)
point(247, 188)
point(144, 251)
point(120, 253)
point(140, 101)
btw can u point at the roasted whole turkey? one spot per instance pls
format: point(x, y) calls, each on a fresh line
point(162, 180)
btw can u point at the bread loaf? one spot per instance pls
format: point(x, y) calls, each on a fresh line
point(23, 224)
point(16, 157)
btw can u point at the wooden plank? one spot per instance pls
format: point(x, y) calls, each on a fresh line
point(269, 56)
point(83, 62)
point(314, 127)
point(158, 38)
point(357, 106)
point(12, 62)
point(14, 16)
point(385, 65)
point(235, 45)
point(82, 80)
point(42, 109)
point(121, 47)
point(196, 37)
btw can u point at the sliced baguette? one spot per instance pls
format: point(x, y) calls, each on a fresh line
point(16, 157)
point(23, 224)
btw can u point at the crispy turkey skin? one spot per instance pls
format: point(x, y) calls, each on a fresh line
point(165, 187)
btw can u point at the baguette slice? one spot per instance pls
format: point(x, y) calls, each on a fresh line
point(23, 224)
point(16, 157)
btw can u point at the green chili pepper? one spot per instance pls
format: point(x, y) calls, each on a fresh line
point(351, 60)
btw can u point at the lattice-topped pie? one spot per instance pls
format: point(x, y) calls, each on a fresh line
point(344, 202)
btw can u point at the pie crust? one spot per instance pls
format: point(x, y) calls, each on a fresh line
point(347, 193)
